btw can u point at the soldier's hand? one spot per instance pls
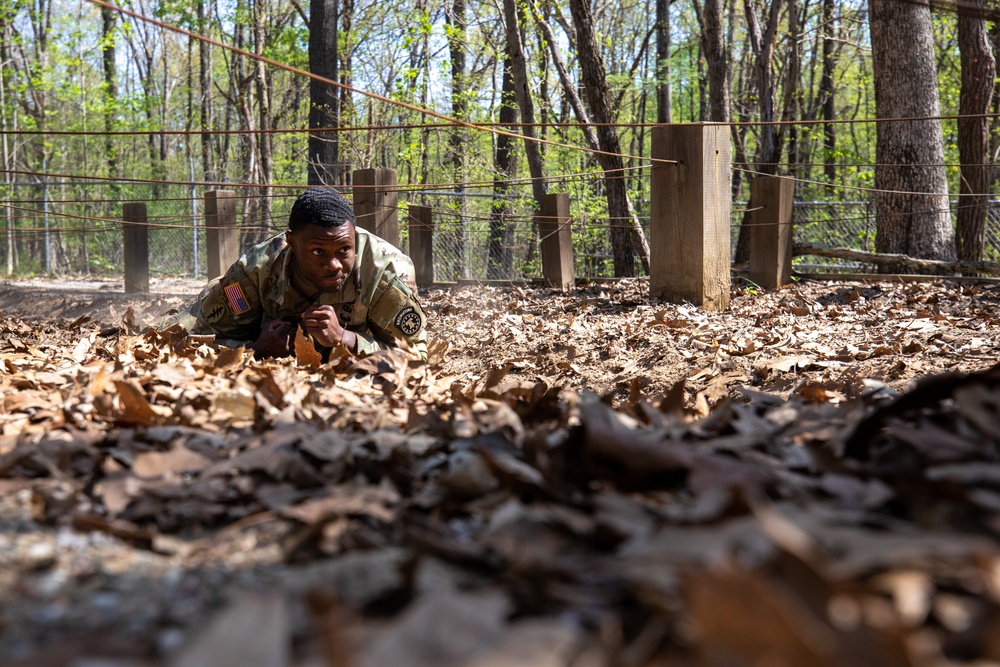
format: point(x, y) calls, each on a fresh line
point(276, 340)
point(322, 323)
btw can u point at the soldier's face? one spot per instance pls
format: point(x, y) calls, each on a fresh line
point(324, 255)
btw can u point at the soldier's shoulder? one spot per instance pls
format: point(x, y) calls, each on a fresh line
point(265, 253)
point(375, 247)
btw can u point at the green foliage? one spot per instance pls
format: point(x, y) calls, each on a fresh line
point(399, 49)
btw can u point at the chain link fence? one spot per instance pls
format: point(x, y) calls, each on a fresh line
point(70, 230)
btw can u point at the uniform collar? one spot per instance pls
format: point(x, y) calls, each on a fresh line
point(291, 286)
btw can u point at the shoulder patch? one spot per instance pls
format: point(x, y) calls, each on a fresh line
point(395, 311)
point(213, 312)
point(237, 300)
point(408, 320)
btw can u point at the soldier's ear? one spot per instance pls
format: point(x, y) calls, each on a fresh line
point(290, 238)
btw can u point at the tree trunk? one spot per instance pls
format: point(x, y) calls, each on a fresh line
point(209, 172)
point(346, 58)
point(978, 75)
point(324, 98)
point(108, 19)
point(532, 150)
point(264, 138)
point(500, 260)
point(8, 162)
point(911, 199)
point(459, 137)
point(826, 91)
point(664, 110)
point(768, 145)
point(569, 87)
point(714, 47)
point(626, 233)
point(792, 103)
point(519, 72)
point(249, 148)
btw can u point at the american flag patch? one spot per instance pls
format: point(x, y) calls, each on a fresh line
point(237, 301)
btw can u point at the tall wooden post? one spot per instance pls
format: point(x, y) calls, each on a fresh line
point(422, 244)
point(557, 240)
point(375, 199)
point(690, 215)
point(222, 243)
point(136, 248)
point(771, 201)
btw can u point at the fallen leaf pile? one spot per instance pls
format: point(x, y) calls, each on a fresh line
point(608, 480)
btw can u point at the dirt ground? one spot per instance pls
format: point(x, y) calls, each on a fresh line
point(80, 586)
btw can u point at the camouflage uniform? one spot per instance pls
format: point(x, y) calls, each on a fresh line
point(377, 301)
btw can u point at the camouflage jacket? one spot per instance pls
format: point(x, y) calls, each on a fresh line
point(377, 301)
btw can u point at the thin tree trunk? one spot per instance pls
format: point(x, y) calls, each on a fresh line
point(7, 161)
point(425, 133)
point(459, 137)
point(108, 20)
point(911, 199)
point(664, 101)
point(792, 104)
point(569, 87)
point(768, 145)
point(249, 147)
point(519, 72)
point(264, 138)
point(713, 45)
point(324, 98)
point(978, 76)
point(626, 233)
point(205, 98)
point(826, 91)
point(500, 260)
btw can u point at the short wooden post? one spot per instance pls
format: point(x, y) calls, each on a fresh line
point(557, 240)
point(422, 244)
point(221, 236)
point(690, 212)
point(136, 248)
point(771, 200)
point(375, 200)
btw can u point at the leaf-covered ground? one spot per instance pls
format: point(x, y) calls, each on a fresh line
point(580, 478)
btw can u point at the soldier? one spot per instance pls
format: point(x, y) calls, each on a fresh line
point(345, 286)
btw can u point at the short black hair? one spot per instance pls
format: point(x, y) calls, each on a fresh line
point(322, 207)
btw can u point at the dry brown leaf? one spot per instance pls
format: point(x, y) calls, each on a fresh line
point(178, 460)
point(305, 350)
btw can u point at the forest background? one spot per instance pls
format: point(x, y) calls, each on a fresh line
point(481, 107)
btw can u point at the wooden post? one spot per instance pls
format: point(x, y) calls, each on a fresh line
point(771, 200)
point(422, 244)
point(136, 248)
point(221, 241)
point(375, 200)
point(557, 240)
point(690, 215)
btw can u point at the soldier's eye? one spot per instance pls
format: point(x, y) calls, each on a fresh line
point(317, 251)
